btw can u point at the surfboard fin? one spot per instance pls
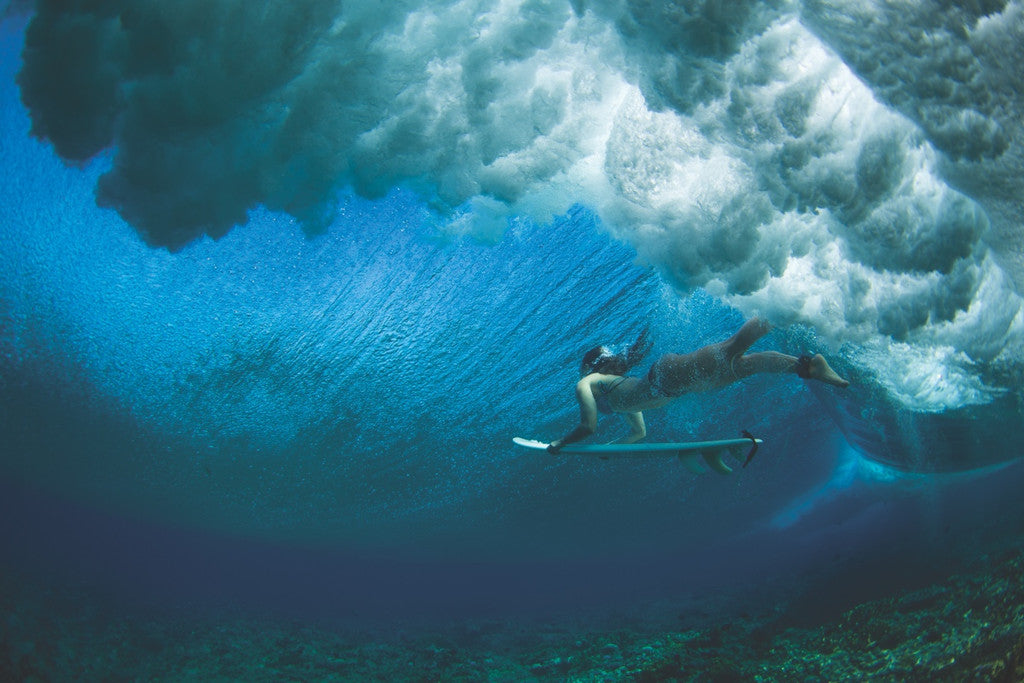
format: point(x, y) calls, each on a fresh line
point(714, 461)
point(690, 460)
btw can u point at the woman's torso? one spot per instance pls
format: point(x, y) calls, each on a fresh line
point(615, 393)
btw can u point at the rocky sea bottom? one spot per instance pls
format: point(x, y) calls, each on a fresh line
point(965, 627)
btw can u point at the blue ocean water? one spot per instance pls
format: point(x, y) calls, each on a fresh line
point(312, 413)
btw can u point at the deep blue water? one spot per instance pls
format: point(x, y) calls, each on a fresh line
point(313, 413)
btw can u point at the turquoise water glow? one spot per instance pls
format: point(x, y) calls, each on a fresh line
point(418, 234)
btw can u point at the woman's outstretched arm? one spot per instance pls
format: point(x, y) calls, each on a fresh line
point(588, 415)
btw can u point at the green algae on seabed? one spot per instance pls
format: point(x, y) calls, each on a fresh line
point(968, 628)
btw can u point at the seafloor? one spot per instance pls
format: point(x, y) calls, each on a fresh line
point(968, 627)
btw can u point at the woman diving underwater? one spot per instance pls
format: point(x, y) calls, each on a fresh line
point(604, 387)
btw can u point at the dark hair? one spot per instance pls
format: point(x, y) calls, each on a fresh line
point(601, 359)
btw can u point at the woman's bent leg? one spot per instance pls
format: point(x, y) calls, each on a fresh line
point(814, 367)
point(764, 361)
point(752, 330)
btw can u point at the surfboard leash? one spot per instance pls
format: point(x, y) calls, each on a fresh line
point(753, 449)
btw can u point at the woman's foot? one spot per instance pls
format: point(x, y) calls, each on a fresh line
point(816, 367)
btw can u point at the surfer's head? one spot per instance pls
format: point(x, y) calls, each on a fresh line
point(602, 359)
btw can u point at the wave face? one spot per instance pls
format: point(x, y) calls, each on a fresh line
point(362, 386)
point(387, 233)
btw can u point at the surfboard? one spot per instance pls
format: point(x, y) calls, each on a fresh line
point(710, 451)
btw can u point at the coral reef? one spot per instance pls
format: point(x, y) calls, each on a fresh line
point(969, 627)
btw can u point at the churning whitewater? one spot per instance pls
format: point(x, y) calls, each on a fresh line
point(855, 167)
